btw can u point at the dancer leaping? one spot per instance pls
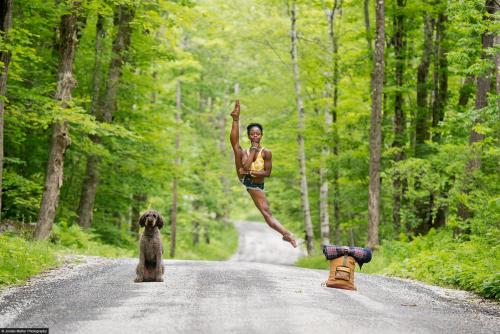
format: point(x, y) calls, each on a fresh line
point(252, 166)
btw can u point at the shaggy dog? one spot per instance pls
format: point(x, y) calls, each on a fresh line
point(150, 267)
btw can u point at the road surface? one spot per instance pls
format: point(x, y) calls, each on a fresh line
point(248, 294)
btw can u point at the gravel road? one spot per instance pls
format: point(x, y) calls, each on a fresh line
point(248, 294)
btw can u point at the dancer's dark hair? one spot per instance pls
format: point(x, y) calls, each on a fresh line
point(252, 125)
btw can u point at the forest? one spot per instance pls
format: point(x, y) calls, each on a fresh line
point(383, 117)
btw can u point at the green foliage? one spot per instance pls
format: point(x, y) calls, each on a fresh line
point(438, 258)
point(21, 259)
point(21, 196)
point(74, 239)
point(112, 235)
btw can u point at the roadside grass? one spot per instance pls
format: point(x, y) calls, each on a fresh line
point(313, 262)
point(437, 258)
point(21, 257)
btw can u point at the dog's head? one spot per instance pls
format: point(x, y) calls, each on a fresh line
point(151, 218)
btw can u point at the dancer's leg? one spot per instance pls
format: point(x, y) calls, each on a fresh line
point(260, 200)
point(238, 161)
point(234, 137)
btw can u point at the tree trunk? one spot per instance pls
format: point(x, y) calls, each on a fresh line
point(324, 218)
point(336, 137)
point(137, 201)
point(330, 117)
point(483, 86)
point(466, 91)
point(399, 116)
point(422, 118)
point(368, 30)
point(440, 101)
point(440, 76)
point(5, 23)
point(336, 205)
point(104, 109)
point(173, 218)
point(300, 136)
point(377, 84)
point(196, 232)
point(91, 178)
point(497, 63)
point(195, 224)
point(89, 190)
point(206, 233)
point(60, 139)
point(224, 215)
point(121, 44)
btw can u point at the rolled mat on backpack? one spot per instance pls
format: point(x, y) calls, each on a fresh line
point(361, 255)
point(342, 264)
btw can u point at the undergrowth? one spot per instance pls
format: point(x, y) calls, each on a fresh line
point(20, 258)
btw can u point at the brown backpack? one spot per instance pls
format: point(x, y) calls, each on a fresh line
point(342, 273)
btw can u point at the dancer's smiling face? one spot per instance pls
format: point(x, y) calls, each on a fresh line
point(255, 134)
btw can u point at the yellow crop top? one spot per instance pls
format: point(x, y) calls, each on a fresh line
point(258, 164)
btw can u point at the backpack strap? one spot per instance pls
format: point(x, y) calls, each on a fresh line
point(344, 263)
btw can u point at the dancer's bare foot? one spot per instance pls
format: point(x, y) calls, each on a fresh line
point(289, 238)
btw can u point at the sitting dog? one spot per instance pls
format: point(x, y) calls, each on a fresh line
point(150, 267)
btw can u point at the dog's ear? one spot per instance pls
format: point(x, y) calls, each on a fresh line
point(142, 220)
point(159, 220)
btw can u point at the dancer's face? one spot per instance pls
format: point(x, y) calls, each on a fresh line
point(255, 135)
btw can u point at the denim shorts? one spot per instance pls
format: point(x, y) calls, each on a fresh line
point(247, 182)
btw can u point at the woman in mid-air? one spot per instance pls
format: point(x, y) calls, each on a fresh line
point(252, 166)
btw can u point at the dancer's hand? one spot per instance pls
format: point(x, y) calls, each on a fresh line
point(243, 171)
point(289, 238)
point(235, 114)
point(254, 146)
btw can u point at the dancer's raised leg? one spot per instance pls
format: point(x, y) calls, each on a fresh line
point(235, 139)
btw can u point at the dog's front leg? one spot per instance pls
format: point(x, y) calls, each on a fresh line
point(159, 267)
point(140, 268)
